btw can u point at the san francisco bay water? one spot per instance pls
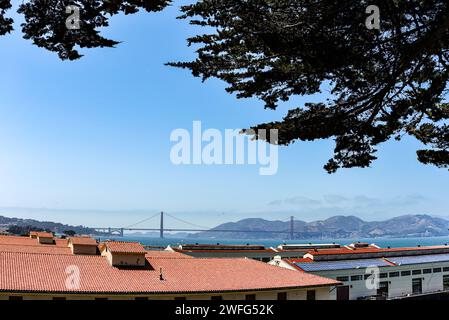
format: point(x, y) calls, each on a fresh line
point(382, 242)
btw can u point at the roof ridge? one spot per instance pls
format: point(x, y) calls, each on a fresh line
point(137, 242)
point(50, 254)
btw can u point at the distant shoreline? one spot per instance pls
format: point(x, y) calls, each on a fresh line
point(382, 242)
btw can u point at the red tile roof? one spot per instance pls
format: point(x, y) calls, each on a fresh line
point(166, 254)
point(220, 247)
point(18, 240)
point(300, 260)
point(34, 249)
point(267, 250)
point(123, 247)
point(61, 242)
point(292, 262)
point(44, 234)
point(47, 273)
point(27, 241)
point(85, 241)
point(372, 249)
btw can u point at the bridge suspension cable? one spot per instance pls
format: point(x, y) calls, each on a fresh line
point(142, 221)
point(187, 222)
point(291, 231)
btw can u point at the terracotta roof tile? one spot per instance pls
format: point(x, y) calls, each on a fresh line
point(373, 250)
point(85, 241)
point(26, 241)
point(17, 240)
point(221, 247)
point(301, 260)
point(47, 273)
point(61, 242)
point(123, 247)
point(166, 254)
point(34, 249)
point(44, 234)
point(269, 250)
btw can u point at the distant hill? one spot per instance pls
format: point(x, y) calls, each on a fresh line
point(5, 222)
point(334, 227)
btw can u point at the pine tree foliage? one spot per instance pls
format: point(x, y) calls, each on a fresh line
point(384, 83)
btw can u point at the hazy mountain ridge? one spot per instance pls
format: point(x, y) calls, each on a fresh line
point(47, 225)
point(334, 227)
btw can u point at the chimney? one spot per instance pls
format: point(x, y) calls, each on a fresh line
point(275, 261)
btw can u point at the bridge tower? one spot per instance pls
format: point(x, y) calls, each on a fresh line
point(292, 232)
point(161, 230)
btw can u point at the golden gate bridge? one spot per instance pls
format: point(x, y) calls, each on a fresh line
point(114, 231)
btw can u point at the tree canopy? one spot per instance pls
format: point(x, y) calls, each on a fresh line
point(70, 233)
point(45, 22)
point(383, 83)
point(24, 230)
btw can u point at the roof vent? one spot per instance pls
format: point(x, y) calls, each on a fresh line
point(359, 244)
point(161, 275)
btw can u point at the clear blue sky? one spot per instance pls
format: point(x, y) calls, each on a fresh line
point(88, 142)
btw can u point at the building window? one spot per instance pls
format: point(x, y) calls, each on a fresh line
point(446, 282)
point(250, 297)
point(356, 278)
point(282, 295)
point(15, 298)
point(445, 269)
point(216, 298)
point(366, 276)
point(180, 298)
point(415, 272)
point(394, 274)
point(59, 298)
point(405, 273)
point(311, 295)
point(343, 278)
point(426, 271)
point(436, 270)
point(383, 275)
point(141, 298)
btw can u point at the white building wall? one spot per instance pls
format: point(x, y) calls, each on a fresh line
point(294, 294)
point(398, 286)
